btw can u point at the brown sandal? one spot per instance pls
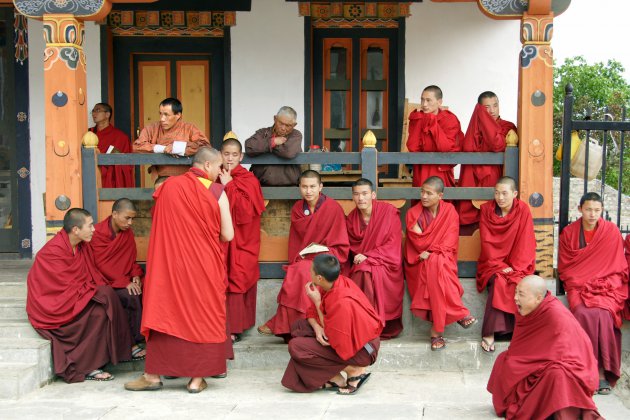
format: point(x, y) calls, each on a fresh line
point(437, 343)
point(467, 322)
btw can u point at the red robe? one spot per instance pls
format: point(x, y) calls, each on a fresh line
point(115, 254)
point(246, 207)
point(549, 366)
point(484, 134)
point(61, 282)
point(114, 176)
point(436, 294)
point(597, 274)
point(434, 133)
point(626, 246)
point(184, 290)
point(380, 241)
point(505, 242)
point(322, 227)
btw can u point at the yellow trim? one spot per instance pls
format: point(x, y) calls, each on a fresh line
point(205, 181)
point(65, 44)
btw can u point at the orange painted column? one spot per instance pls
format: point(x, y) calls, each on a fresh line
point(65, 113)
point(535, 124)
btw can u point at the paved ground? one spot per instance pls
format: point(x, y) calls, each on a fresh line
point(247, 394)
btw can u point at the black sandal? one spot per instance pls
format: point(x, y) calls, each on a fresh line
point(363, 378)
point(604, 387)
point(333, 386)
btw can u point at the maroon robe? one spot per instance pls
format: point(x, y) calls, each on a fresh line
point(115, 257)
point(114, 176)
point(246, 207)
point(352, 327)
point(595, 277)
point(434, 133)
point(548, 367)
point(70, 303)
point(505, 242)
point(322, 227)
point(484, 134)
point(381, 275)
point(434, 288)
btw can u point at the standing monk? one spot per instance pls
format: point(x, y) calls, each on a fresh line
point(592, 266)
point(486, 132)
point(111, 140)
point(433, 129)
point(282, 140)
point(340, 334)
point(431, 263)
point(315, 220)
point(375, 261)
point(184, 319)
point(549, 371)
point(115, 253)
point(508, 253)
point(170, 135)
point(70, 303)
point(246, 206)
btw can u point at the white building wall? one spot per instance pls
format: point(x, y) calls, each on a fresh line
point(456, 47)
point(36, 47)
point(267, 65)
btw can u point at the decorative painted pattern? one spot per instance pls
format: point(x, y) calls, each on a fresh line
point(353, 10)
point(64, 37)
point(355, 23)
point(21, 116)
point(169, 23)
point(26, 243)
point(512, 9)
point(20, 28)
point(78, 8)
point(544, 250)
point(536, 30)
point(23, 172)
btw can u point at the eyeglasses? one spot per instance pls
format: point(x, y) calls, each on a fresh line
point(98, 110)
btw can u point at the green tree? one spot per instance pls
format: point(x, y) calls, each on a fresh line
point(598, 89)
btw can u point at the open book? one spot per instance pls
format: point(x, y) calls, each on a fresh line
point(313, 248)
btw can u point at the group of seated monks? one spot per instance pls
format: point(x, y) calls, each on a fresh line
point(343, 288)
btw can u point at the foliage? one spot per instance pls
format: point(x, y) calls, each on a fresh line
point(598, 89)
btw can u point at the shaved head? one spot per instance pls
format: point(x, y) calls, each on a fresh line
point(436, 91)
point(206, 154)
point(309, 173)
point(232, 142)
point(435, 182)
point(123, 204)
point(509, 181)
point(75, 217)
point(529, 294)
point(537, 284)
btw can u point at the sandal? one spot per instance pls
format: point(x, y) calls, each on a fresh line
point(489, 348)
point(330, 386)
point(135, 352)
point(203, 385)
point(235, 338)
point(437, 343)
point(352, 389)
point(467, 322)
point(604, 387)
point(92, 376)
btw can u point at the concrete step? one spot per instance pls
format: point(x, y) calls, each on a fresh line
point(24, 350)
point(12, 308)
point(18, 379)
point(17, 328)
point(13, 289)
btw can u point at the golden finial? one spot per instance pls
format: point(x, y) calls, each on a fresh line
point(230, 135)
point(511, 139)
point(369, 139)
point(90, 140)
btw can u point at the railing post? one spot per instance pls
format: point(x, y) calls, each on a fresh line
point(369, 158)
point(89, 174)
point(510, 158)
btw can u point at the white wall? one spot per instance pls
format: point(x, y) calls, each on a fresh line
point(459, 49)
point(37, 121)
point(267, 65)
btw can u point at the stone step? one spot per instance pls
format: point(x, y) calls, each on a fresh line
point(12, 308)
point(17, 328)
point(13, 289)
point(18, 379)
point(24, 350)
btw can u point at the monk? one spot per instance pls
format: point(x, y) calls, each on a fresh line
point(433, 129)
point(70, 303)
point(170, 135)
point(111, 140)
point(184, 318)
point(508, 253)
point(486, 132)
point(375, 261)
point(246, 206)
point(114, 248)
point(626, 247)
point(592, 266)
point(431, 263)
point(315, 220)
point(549, 370)
point(340, 334)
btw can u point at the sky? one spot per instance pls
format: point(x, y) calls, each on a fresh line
point(596, 29)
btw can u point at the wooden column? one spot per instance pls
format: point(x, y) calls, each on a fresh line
point(535, 124)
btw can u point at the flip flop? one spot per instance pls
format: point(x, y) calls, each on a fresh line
point(604, 387)
point(134, 354)
point(92, 376)
point(438, 340)
point(363, 378)
point(487, 343)
point(333, 386)
point(467, 322)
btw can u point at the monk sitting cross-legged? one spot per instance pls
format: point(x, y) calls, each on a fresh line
point(115, 254)
point(549, 371)
point(375, 262)
point(340, 334)
point(431, 262)
point(592, 266)
point(317, 225)
point(246, 206)
point(70, 303)
point(508, 253)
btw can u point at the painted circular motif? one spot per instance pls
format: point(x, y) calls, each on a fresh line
point(59, 99)
point(536, 200)
point(538, 98)
point(62, 202)
point(536, 148)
